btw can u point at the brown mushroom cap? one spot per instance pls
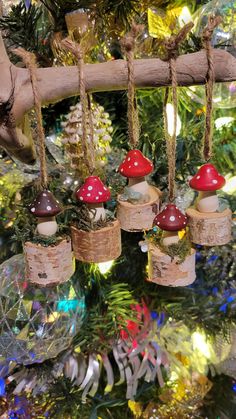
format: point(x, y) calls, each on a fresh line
point(170, 219)
point(93, 191)
point(45, 205)
point(135, 165)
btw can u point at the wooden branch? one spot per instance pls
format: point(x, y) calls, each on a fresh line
point(57, 83)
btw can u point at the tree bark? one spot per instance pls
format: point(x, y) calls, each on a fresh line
point(57, 83)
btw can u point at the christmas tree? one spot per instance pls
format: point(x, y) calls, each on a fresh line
point(118, 197)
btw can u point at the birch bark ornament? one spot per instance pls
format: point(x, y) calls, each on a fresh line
point(208, 225)
point(52, 264)
point(103, 244)
point(139, 201)
point(166, 266)
point(99, 243)
point(171, 261)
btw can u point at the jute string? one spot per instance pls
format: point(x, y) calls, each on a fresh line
point(213, 22)
point(128, 46)
point(88, 152)
point(171, 46)
point(29, 60)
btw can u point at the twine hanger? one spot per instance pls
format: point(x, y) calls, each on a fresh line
point(213, 22)
point(171, 46)
point(87, 147)
point(29, 60)
point(128, 47)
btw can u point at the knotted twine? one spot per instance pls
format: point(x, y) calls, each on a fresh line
point(30, 62)
point(88, 148)
point(213, 22)
point(128, 46)
point(171, 46)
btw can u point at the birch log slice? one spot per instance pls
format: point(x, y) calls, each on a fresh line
point(97, 246)
point(209, 228)
point(168, 272)
point(48, 265)
point(139, 217)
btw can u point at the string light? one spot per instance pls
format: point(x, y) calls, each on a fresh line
point(200, 343)
point(230, 186)
point(224, 121)
point(185, 16)
point(170, 120)
point(105, 267)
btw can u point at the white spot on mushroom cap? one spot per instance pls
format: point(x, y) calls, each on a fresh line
point(179, 216)
point(122, 169)
point(81, 198)
point(97, 197)
point(172, 218)
point(198, 177)
point(90, 188)
point(49, 208)
point(38, 202)
point(208, 170)
point(129, 167)
point(214, 181)
point(164, 216)
point(99, 193)
point(88, 194)
point(135, 163)
point(104, 187)
point(44, 194)
point(33, 209)
point(128, 159)
point(158, 222)
point(184, 222)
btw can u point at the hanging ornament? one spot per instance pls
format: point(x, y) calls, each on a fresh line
point(224, 37)
point(95, 236)
point(72, 137)
point(36, 323)
point(171, 260)
point(139, 202)
point(45, 264)
point(209, 225)
point(102, 244)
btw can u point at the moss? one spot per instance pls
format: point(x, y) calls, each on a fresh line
point(180, 250)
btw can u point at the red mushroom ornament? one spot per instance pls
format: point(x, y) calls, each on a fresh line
point(45, 207)
point(135, 167)
point(170, 220)
point(207, 181)
point(94, 193)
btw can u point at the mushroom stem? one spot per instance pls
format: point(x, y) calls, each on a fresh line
point(97, 211)
point(170, 237)
point(139, 184)
point(47, 226)
point(207, 201)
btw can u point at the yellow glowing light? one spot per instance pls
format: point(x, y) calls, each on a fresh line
point(185, 16)
point(170, 120)
point(104, 267)
point(200, 343)
point(230, 186)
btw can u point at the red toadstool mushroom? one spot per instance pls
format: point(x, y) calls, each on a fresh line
point(207, 180)
point(45, 207)
point(135, 167)
point(93, 192)
point(171, 220)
